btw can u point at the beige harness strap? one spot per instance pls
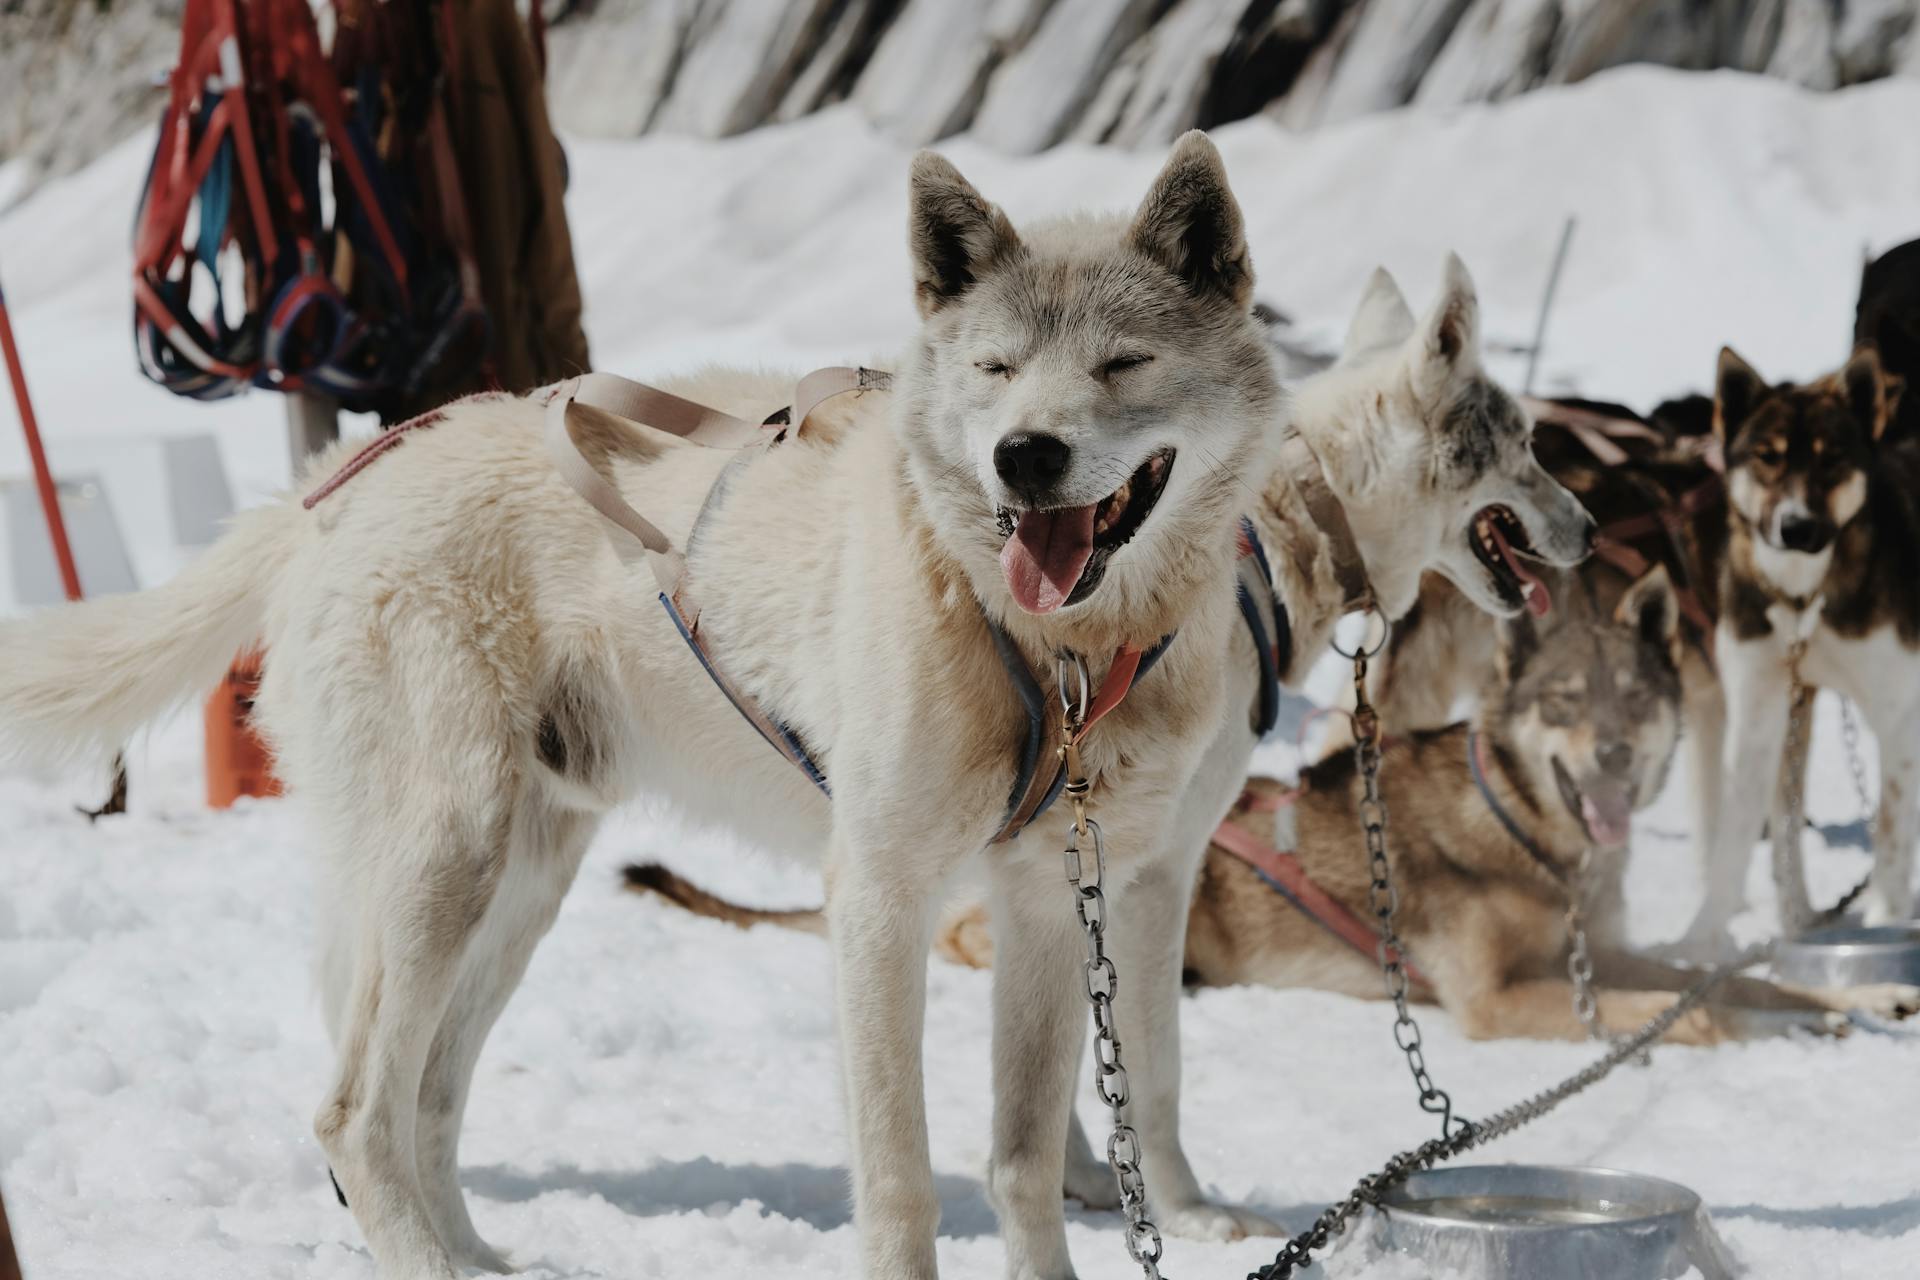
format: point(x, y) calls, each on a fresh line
point(1310, 478)
point(633, 536)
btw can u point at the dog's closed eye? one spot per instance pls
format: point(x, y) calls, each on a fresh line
point(994, 368)
point(1122, 363)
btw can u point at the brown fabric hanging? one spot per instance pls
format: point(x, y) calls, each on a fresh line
point(514, 177)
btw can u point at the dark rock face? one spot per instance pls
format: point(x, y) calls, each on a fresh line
point(1026, 74)
point(1021, 74)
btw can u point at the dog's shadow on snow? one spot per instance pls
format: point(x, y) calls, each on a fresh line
point(818, 1195)
point(1893, 1218)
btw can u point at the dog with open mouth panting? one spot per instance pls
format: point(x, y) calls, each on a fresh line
point(1498, 821)
point(1405, 457)
point(462, 677)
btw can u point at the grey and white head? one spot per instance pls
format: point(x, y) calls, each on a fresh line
point(1085, 394)
point(1433, 459)
point(1586, 701)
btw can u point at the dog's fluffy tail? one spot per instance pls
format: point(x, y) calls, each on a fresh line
point(651, 877)
point(82, 678)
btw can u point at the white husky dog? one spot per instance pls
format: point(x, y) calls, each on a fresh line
point(462, 677)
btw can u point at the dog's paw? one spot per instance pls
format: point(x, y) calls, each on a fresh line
point(476, 1254)
point(1216, 1223)
point(1092, 1184)
point(1891, 1001)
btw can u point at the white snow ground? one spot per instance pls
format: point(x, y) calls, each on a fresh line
point(661, 1097)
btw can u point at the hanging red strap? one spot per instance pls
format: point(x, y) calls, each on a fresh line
point(42, 476)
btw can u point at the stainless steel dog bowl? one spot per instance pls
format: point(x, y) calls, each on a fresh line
point(1850, 956)
point(1529, 1222)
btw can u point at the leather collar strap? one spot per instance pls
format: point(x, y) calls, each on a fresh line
point(1259, 608)
point(1310, 478)
point(1286, 876)
point(1477, 761)
point(1034, 791)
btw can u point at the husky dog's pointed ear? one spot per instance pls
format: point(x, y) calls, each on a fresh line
point(1447, 337)
point(1383, 319)
point(1737, 388)
point(954, 234)
point(1191, 224)
point(1652, 610)
point(1866, 386)
point(1452, 328)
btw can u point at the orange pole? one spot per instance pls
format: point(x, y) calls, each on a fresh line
point(42, 477)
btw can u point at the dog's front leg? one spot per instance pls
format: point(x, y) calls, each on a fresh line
point(880, 911)
point(1788, 814)
point(1755, 677)
point(1147, 940)
point(1038, 1024)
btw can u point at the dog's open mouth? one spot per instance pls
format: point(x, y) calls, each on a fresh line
point(1057, 557)
point(1604, 808)
point(1499, 540)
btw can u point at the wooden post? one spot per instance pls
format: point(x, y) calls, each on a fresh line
point(313, 423)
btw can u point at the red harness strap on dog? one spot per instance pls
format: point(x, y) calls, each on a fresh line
point(1285, 873)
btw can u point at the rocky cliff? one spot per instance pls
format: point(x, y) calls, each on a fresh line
point(76, 75)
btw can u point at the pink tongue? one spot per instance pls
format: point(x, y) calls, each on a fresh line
point(1044, 558)
point(1538, 601)
point(1609, 819)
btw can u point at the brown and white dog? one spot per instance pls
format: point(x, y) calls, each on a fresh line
point(1822, 559)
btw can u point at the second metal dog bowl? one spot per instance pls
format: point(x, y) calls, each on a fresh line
point(1526, 1222)
point(1851, 956)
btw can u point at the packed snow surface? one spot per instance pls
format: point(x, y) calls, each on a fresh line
point(661, 1097)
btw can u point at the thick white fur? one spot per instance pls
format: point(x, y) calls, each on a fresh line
point(439, 624)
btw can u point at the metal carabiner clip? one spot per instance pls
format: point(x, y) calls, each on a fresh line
point(1074, 684)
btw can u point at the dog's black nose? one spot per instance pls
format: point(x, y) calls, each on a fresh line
point(1805, 533)
point(1614, 757)
point(1031, 463)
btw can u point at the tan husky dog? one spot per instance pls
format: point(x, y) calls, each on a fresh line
point(1574, 733)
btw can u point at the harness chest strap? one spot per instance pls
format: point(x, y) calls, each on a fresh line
point(1285, 874)
point(636, 538)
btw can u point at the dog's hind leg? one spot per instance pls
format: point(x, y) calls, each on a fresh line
point(1038, 1030)
point(423, 898)
point(547, 846)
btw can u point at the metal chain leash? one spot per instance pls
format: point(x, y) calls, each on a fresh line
point(1856, 764)
point(1333, 1222)
point(1102, 980)
point(1383, 899)
point(1586, 1005)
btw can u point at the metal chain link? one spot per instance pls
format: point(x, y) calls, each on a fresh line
point(1586, 1005)
point(1856, 764)
point(1333, 1222)
point(1384, 900)
point(1102, 980)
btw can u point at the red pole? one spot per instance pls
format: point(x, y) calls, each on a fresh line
point(42, 478)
